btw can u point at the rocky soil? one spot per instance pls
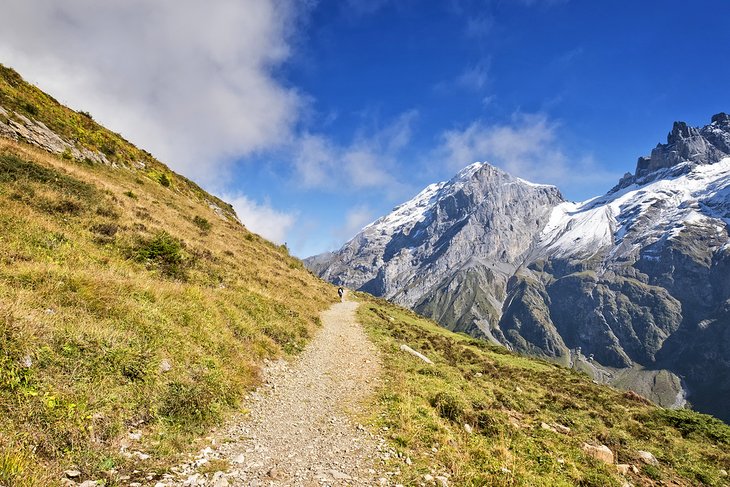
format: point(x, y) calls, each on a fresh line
point(302, 428)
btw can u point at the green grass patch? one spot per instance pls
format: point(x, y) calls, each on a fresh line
point(98, 292)
point(504, 398)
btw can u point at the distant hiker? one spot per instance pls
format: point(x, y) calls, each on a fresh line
point(340, 293)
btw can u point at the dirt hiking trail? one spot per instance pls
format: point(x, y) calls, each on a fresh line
point(300, 431)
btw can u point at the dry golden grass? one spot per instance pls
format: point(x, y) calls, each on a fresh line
point(107, 277)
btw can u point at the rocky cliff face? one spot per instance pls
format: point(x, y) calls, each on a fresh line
point(450, 251)
point(632, 286)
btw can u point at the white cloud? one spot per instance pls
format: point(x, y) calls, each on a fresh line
point(480, 26)
point(369, 162)
point(268, 222)
point(527, 147)
point(474, 77)
point(191, 81)
point(355, 219)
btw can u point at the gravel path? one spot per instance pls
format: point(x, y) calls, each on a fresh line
point(300, 429)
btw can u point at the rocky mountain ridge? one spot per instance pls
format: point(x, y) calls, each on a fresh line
point(631, 286)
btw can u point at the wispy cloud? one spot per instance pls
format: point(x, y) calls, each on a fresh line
point(369, 162)
point(528, 146)
point(355, 219)
point(191, 81)
point(479, 26)
point(268, 222)
point(475, 77)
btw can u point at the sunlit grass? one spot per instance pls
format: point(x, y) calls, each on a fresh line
point(505, 398)
point(101, 294)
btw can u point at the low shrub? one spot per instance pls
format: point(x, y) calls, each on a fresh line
point(164, 180)
point(163, 251)
point(202, 223)
point(449, 406)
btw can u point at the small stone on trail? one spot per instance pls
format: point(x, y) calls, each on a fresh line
point(219, 480)
point(468, 428)
point(72, 474)
point(88, 483)
point(275, 474)
point(338, 475)
point(428, 478)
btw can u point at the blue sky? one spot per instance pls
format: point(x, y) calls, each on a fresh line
point(316, 117)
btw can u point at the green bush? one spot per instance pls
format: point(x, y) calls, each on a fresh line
point(203, 224)
point(164, 251)
point(448, 406)
point(164, 180)
point(30, 109)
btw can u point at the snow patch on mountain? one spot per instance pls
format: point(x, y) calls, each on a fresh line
point(409, 213)
point(687, 194)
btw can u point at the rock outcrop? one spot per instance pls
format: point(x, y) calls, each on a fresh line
point(19, 127)
point(633, 287)
point(450, 251)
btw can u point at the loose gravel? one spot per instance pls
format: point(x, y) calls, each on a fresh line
point(301, 430)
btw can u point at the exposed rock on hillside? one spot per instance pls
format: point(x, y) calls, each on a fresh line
point(450, 251)
point(634, 280)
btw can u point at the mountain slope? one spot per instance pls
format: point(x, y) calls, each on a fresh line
point(637, 278)
point(630, 286)
point(135, 309)
point(480, 415)
point(471, 232)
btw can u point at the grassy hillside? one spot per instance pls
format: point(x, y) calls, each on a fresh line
point(518, 409)
point(130, 301)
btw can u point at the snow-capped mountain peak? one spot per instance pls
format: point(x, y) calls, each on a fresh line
point(632, 286)
point(684, 182)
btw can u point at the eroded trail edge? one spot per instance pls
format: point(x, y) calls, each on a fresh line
point(300, 429)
